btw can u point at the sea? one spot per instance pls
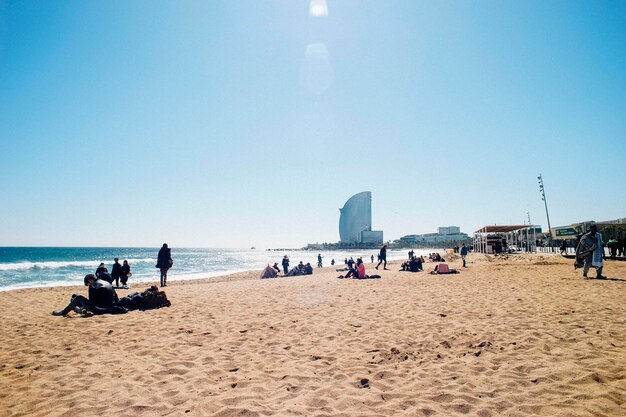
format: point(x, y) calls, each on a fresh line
point(32, 267)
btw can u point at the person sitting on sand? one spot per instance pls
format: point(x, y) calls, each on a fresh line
point(350, 263)
point(352, 273)
point(101, 269)
point(296, 270)
point(103, 273)
point(357, 272)
point(268, 272)
point(360, 268)
point(414, 265)
point(102, 299)
point(276, 267)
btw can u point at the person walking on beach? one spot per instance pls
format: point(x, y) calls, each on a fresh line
point(164, 263)
point(125, 274)
point(591, 251)
point(383, 257)
point(116, 272)
point(286, 264)
point(372, 257)
point(319, 260)
point(463, 253)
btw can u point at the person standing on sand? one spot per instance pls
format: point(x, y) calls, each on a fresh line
point(286, 264)
point(164, 263)
point(319, 260)
point(591, 251)
point(116, 271)
point(463, 253)
point(383, 257)
point(125, 274)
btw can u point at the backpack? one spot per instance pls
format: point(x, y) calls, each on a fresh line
point(148, 300)
point(153, 298)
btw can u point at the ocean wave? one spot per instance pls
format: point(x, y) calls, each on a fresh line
point(22, 266)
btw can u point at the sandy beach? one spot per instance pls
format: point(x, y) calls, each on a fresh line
point(515, 335)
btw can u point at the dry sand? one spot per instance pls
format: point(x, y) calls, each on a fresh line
point(516, 336)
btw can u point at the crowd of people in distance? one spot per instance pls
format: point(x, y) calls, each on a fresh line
point(300, 269)
point(416, 263)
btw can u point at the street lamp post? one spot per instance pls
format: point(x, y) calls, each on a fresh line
point(543, 197)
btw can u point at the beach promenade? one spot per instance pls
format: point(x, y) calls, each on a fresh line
point(515, 335)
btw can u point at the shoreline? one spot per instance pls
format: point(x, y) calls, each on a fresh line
point(171, 278)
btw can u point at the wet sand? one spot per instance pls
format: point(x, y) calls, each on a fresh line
point(514, 336)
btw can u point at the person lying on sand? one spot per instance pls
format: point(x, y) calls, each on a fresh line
point(102, 299)
point(443, 268)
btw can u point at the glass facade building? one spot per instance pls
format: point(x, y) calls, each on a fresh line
point(356, 217)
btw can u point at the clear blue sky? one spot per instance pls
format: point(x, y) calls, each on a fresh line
point(195, 122)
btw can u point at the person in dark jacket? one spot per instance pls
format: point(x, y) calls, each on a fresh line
point(164, 263)
point(125, 274)
point(116, 272)
point(101, 269)
point(103, 273)
point(102, 299)
point(383, 257)
point(286, 264)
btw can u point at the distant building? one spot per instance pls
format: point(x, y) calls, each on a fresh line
point(449, 230)
point(447, 234)
point(355, 221)
point(372, 236)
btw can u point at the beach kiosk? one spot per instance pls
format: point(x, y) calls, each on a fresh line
point(510, 238)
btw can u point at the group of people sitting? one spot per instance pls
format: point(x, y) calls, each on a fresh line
point(274, 270)
point(356, 270)
point(435, 257)
point(118, 273)
point(102, 299)
point(416, 264)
